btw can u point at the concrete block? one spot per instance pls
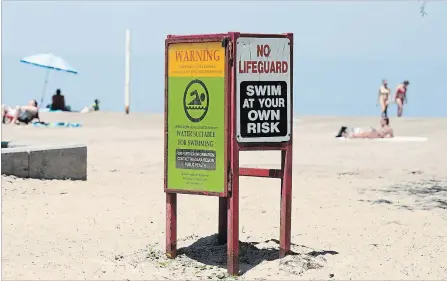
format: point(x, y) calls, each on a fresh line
point(58, 162)
point(15, 162)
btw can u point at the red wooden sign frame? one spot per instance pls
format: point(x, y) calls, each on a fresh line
point(228, 227)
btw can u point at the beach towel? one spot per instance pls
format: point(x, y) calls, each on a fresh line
point(49, 110)
point(395, 139)
point(57, 110)
point(403, 139)
point(57, 124)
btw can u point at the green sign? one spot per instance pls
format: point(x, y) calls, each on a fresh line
point(196, 123)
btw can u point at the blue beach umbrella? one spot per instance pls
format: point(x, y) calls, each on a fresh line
point(49, 62)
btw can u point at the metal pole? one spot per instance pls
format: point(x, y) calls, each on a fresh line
point(44, 88)
point(127, 74)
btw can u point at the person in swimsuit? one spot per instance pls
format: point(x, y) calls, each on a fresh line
point(385, 131)
point(384, 93)
point(401, 97)
point(24, 114)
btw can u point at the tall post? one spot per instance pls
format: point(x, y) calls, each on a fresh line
point(127, 74)
point(233, 200)
point(286, 180)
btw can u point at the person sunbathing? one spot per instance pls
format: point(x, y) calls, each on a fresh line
point(24, 114)
point(385, 131)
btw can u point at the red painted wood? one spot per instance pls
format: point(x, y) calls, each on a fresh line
point(258, 172)
point(223, 220)
point(233, 222)
point(286, 181)
point(263, 146)
point(171, 199)
point(286, 204)
point(201, 37)
point(171, 225)
point(233, 201)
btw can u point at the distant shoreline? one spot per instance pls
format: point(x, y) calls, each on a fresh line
point(294, 116)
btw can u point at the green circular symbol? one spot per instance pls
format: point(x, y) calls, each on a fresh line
point(196, 100)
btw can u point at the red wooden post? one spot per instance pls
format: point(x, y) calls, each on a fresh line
point(223, 220)
point(286, 181)
point(233, 201)
point(286, 202)
point(171, 225)
point(233, 217)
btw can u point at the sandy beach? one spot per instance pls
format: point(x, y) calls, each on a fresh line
point(362, 209)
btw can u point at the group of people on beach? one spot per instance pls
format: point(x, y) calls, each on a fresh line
point(20, 114)
point(400, 97)
point(28, 113)
point(385, 130)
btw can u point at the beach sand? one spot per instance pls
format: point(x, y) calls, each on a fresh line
point(362, 209)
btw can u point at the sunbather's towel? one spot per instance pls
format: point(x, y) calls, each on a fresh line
point(394, 139)
point(49, 110)
point(57, 124)
point(404, 139)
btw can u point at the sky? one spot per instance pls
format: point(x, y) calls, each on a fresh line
point(343, 49)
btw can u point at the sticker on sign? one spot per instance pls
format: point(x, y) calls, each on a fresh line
point(263, 89)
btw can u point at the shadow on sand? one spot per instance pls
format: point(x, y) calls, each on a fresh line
point(209, 251)
point(426, 195)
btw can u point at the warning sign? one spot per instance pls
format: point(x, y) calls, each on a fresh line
point(263, 92)
point(196, 117)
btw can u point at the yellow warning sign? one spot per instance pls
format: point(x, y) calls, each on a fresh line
point(206, 59)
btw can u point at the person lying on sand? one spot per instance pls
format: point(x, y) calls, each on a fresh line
point(24, 114)
point(385, 131)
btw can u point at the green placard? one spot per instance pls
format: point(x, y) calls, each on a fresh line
point(196, 122)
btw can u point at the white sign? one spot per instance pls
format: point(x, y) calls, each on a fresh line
point(263, 89)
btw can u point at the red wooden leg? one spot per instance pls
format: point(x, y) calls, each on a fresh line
point(286, 202)
point(223, 220)
point(171, 225)
point(233, 221)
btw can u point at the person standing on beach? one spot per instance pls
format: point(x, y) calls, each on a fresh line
point(384, 93)
point(401, 97)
